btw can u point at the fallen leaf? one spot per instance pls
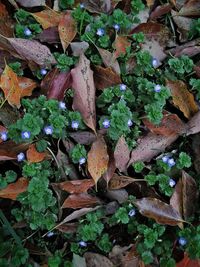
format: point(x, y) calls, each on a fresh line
point(47, 18)
point(9, 150)
point(6, 22)
point(32, 50)
point(33, 155)
point(15, 88)
point(120, 195)
point(55, 84)
point(99, 6)
point(190, 8)
point(68, 228)
point(77, 186)
point(150, 2)
point(109, 59)
point(31, 3)
point(83, 137)
point(78, 261)
point(120, 44)
point(111, 168)
point(121, 154)
point(105, 77)
point(79, 48)
point(155, 49)
point(150, 146)
point(67, 30)
point(161, 10)
point(97, 260)
point(170, 124)
point(84, 92)
point(14, 189)
point(79, 201)
point(182, 98)
point(187, 262)
point(161, 212)
point(98, 159)
point(118, 182)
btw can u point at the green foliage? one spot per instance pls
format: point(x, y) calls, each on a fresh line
point(77, 153)
point(64, 62)
point(104, 243)
point(181, 65)
point(195, 83)
point(121, 216)
point(162, 180)
point(184, 161)
point(138, 37)
point(10, 177)
point(64, 4)
point(138, 166)
point(55, 260)
point(137, 6)
point(16, 67)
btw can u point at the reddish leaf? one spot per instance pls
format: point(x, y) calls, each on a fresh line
point(83, 138)
point(77, 186)
point(50, 36)
point(121, 154)
point(9, 150)
point(55, 84)
point(182, 98)
point(47, 18)
point(6, 23)
point(187, 262)
point(120, 44)
point(84, 92)
point(150, 146)
point(15, 88)
point(78, 201)
point(67, 30)
point(31, 3)
point(33, 155)
point(109, 60)
point(159, 11)
point(190, 8)
point(98, 159)
point(118, 182)
point(161, 212)
point(171, 124)
point(105, 77)
point(14, 189)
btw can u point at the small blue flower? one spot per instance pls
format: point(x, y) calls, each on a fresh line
point(20, 157)
point(171, 162)
point(130, 123)
point(82, 244)
point(116, 27)
point(165, 159)
point(25, 135)
point(155, 63)
point(122, 87)
point(27, 32)
point(182, 241)
point(131, 213)
point(43, 72)
point(4, 136)
point(75, 125)
point(82, 160)
point(50, 234)
point(48, 130)
point(157, 88)
point(100, 32)
point(106, 123)
point(82, 5)
point(62, 105)
point(171, 182)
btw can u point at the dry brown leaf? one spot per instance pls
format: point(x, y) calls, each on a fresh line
point(109, 59)
point(77, 186)
point(187, 262)
point(67, 30)
point(121, 154)
point(111, 168)
point(161, 212)
point(98, 159)
point(47, 18)
point(14, 189)
point(97, 260)
point(33, 155)
point(79, 201)
point(150, 146)
point(190, 8)
point(118, 182)
point(6, 22)
point(182, 98)
point(120, 44)
point(84, 92)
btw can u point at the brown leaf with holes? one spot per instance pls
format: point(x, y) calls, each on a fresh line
point(98, 159)
point(84, 92)
point(14, 189)
point(47, 18)
point(120, 44)
point(118, 182)
point(77, 186)
point(79, 201)
point(67, 30)
point(158, 210)
point(121, 154)
point(170, 124)
point(15, 87)
point(105, 77)
point(182, 98)
point(33, 155)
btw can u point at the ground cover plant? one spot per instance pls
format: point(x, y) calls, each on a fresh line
point(99, 133)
